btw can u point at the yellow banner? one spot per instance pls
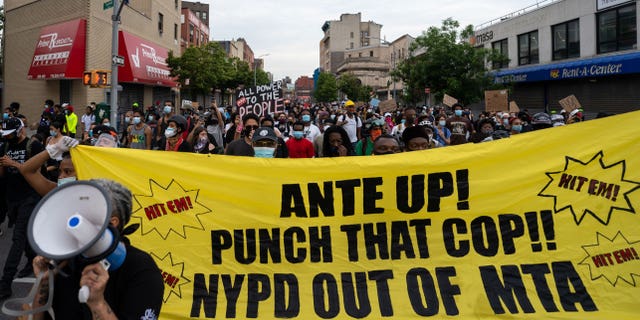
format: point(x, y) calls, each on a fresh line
point(538, 226)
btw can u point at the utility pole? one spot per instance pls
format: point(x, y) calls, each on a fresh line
point(115, 20)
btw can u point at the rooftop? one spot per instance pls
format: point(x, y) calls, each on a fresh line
point(536, 6)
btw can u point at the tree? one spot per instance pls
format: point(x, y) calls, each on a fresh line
point(351, 86)
point(199, 69)
point(326, 88)
point(448, 65)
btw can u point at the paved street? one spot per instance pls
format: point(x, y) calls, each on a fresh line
point(21, 287)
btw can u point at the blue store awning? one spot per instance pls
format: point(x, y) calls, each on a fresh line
point(585, 68)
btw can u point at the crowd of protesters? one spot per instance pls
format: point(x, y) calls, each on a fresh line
point(301, 131)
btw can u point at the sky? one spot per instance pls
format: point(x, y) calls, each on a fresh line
point(289, 31)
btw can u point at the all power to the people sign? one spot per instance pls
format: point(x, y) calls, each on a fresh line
point(538, 226)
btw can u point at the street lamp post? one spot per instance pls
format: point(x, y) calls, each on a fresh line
point(115, 20)
point(255, 68)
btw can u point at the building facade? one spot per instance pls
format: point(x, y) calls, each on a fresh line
point(303, 89)
point(193, 31)
point(50, 43)
point(588, 48)
point(201, 10)
point(348, 33)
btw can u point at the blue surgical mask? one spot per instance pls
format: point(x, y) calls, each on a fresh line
point(264, 152)
point(127, 119)
point(403, 121)
point(306, 118)
point(5, 116)
point(66, 180)
point(170, 132)
point(516, 127)
point(442, 123)
point(167, 109)
point(150, 118)
point(458, 112)
point(298, 134)
point(333, 116)
point(52, 133)
point(136, 120)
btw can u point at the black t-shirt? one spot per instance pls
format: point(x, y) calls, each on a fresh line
point(20, 189)
point(240, 148)
point(134, 291)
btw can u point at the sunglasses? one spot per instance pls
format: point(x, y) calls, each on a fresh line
point(252, 128)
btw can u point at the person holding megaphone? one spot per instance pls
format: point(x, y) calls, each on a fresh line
point(92, 278)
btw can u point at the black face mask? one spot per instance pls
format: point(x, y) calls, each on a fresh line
point(13, 139)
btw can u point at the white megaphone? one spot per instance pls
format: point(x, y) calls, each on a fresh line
point(72, 221)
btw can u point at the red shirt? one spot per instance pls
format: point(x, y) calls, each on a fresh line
point(300, 148)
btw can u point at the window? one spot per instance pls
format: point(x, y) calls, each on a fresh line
point(204, 16)
point(617, 29)
point(351, 45)
point(191, 29)
point(528, 48)
point(351, 34)
point(370, 53)
point(175, 31)
point(501, 47)
point(176, 3)
point(566, 40)
point(160, 22)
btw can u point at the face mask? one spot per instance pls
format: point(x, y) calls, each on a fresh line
point(66, 180)
point(107, 124)
point(298, 134)
point(264, 152)
point(67, 112)
point(487, 131)
point(375, 133)
point(306, 118)
point(5, 116)
point(516, 127)
point(442, 123)
point(403, 121)
point(136, 120)
point(150, 118)
point(458, 112)
point(411, 120)
point(53, 133)
point(333, 116)
point(167, 109)
point(127, 119)
point(170, 132)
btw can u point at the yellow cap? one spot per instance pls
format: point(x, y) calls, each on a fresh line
point(349, 103)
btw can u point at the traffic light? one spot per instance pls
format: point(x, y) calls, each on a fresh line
point(96, 78)
point(86, 78)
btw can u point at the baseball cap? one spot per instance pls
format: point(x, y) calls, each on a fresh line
point(349, 103)
point(263, 133)
point(11, 125)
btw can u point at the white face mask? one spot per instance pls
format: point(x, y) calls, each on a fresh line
point(170, 132)
point(66, 180)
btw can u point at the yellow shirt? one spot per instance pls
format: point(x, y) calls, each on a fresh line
point(72, 123)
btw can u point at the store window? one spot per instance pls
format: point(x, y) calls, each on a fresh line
point(617, 29)
point(528, 48)
point(501, 47)
point(566, 40)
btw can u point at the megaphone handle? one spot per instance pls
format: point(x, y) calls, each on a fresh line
point(28, 300)
point(84, 293)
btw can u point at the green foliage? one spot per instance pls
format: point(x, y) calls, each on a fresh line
point(351, 86)
point(208, 67)
point(447, 64)
point(326, 88)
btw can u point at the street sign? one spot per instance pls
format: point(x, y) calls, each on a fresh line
point(107, 5)
point(117, 60)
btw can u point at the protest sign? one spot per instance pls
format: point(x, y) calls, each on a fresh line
point(513, 107)
point(496, 100)
point(260, 100)
point(449, 100)
point(421, 234)
point(387, 106)
point(570, 103)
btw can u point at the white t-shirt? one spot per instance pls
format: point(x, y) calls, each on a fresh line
point(87, 120)
point(311, 132)
point(351, 127)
